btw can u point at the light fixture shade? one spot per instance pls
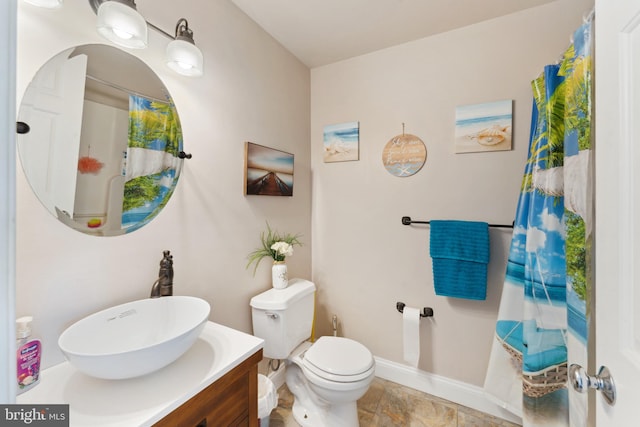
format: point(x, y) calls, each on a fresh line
point(122, 24)
point(185, 58)
point(48, 4)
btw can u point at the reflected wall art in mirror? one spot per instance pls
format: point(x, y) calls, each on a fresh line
point(104, 149)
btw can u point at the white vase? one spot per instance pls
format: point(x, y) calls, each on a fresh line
point(279, 278)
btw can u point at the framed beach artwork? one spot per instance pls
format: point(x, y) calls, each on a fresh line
point(267, 171)
point(484, 127)
point(341, 142)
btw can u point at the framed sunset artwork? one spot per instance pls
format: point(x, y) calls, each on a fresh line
point(267, 171)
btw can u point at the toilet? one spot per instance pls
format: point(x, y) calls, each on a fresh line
point(326, 377)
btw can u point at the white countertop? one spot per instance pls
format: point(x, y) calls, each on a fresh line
point(145, 400)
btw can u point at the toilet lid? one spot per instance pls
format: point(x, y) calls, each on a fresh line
point(338, 356)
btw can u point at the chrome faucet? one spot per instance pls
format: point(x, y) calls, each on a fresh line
point(164, 285)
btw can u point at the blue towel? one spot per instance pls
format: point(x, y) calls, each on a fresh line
point(460, 254)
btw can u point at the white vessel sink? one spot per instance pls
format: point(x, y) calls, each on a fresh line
point(135, 338)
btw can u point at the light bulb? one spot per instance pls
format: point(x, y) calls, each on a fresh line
point(184, 65)
point(122, 34)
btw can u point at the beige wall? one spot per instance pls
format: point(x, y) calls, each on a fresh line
point(253, 90)
point(364, 259)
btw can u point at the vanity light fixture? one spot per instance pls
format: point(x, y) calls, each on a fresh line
point(120, 22)
point(183, 56)
point(48, 4)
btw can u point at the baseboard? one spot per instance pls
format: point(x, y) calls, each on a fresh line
point(456, 391)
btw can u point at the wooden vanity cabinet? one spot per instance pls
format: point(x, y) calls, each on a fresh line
point(230, 401)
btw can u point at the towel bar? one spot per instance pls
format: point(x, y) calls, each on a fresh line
point(426, 311)
point(406, 220)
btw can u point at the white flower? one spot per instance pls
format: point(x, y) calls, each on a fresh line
point(283, 249)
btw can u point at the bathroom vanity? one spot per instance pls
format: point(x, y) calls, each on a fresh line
point(215, 383)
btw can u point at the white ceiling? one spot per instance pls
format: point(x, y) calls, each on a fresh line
point(320, 32)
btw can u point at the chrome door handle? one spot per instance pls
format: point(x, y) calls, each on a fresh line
point(582, 382)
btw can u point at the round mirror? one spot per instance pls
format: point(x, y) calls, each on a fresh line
point(103, 150)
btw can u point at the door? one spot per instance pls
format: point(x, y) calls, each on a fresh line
point(7, 201)
point(617, 113)
point(52, 106)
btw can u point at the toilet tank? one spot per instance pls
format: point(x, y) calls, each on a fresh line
point(283, 318)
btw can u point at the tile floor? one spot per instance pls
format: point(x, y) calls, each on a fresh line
point(388, 404)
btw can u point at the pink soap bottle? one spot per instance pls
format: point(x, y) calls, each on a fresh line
point(28, 354)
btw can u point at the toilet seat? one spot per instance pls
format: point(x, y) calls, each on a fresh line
point(339, 359)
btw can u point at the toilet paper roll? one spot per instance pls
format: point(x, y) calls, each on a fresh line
point(411, 335)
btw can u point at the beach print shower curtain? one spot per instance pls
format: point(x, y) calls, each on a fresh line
point(151, 162)
point(543, 317)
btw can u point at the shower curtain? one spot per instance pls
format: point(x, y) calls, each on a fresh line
point(543, 317)
point(151, 164)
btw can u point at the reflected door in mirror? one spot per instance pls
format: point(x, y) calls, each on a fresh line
point(103, 151)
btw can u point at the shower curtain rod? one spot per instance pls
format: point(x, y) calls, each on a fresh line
point(406, 220)
point(124, 89)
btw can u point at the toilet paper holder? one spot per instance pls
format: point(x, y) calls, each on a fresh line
point(426, 311)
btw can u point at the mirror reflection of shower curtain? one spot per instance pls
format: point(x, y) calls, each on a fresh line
point(543, 317)
point(151, 163)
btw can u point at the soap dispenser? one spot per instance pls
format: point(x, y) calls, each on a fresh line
point(28, 354)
